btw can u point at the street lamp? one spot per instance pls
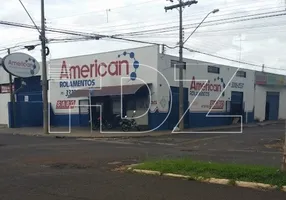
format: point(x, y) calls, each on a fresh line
point(212, 12)
point(181, 71)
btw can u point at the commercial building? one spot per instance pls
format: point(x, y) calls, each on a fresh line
point(145, 80)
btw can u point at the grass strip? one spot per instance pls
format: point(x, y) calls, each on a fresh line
point(235, 172)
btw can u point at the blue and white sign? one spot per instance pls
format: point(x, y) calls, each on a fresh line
point(21, 65)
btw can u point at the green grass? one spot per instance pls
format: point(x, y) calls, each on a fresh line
point(234, 172)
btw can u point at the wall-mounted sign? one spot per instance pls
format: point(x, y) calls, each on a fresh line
point(237, 85)
point(21, 65)
point(6, 88)
point(262, 78)
point(65, 104)
point(218, 105)
point(203, 89)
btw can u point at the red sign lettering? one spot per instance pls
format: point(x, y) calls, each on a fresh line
point(204, 86)
point(114, 68)
point(6, 88)
point(219, 104)
point(65, 104)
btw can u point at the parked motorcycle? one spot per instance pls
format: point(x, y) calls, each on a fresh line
point(128, 124)
point(105, 124)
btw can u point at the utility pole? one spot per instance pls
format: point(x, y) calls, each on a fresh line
point(107, 10)
point(181, 65)
point(44, 69)
point(283, 167)
point(12, 96)
point(163, 49)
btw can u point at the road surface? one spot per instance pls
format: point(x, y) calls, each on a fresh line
point(35, 168)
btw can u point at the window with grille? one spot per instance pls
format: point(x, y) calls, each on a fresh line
point(213, 69)
point(177, 64)
point(241, 74)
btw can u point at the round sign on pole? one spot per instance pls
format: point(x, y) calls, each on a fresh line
point(21, 65)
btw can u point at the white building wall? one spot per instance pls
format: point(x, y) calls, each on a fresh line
point(145, 73)
point(4, 117)
point(260, 101)
point(4, 76)
point(199, 70)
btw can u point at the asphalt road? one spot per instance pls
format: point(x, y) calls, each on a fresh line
point(35, 168)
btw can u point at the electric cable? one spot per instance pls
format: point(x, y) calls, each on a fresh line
point(108, 27)
point(228, 59)
point(207, 23)
point(30, 16)
point(197, 13)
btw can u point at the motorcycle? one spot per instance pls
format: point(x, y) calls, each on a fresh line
point(128, 124)
point(105, 124)
point(117, 121)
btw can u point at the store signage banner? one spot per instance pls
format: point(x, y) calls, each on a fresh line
point(262, 78)
point(21, 65)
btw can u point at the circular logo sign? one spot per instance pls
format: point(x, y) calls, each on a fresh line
point(21, 65)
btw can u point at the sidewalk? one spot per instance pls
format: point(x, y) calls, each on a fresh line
point(87, 133)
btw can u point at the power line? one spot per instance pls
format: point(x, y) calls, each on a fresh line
point(267, 6)
point(30, 16)
point(232, 60)
point(247, 30)
point(107, 28)
point(221, 57)
point(77, 39)
point(76, 33)
point(53, 40)
point(186, 28)
point(231, 29)
point(206, 24)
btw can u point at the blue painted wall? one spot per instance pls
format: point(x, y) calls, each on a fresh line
point(250, 117)
point(156, 118)
point(273, 99)
point(199, 119)
point(28, 114)
point(63, 120)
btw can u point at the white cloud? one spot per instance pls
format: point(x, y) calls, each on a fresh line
point(262, 40)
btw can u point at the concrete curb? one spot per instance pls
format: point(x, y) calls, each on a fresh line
point(126, 136)
point(244, 184)
point(255, 185)
point(176, 175)
point(54, 135)
point(150, 172)
point(217, 181)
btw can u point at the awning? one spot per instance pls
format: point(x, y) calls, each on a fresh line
point(107, 91)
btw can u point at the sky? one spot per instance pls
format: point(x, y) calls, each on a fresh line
point(258, 41)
